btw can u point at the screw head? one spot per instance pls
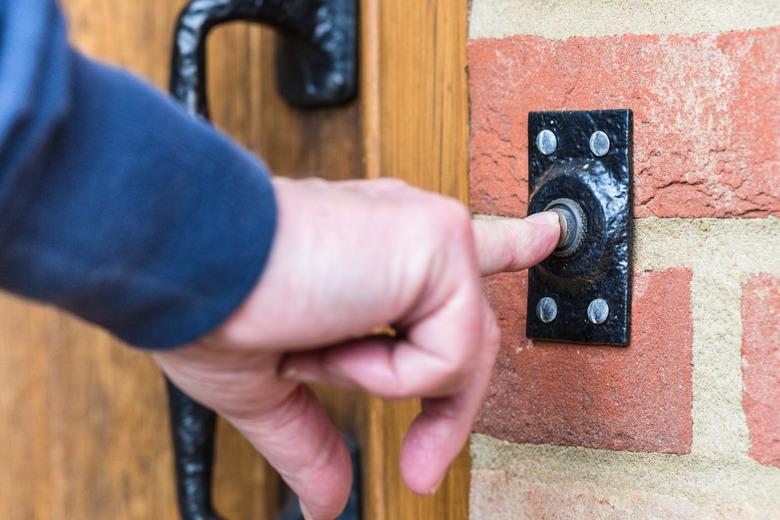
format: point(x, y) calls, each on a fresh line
point(599, 143)
point(546, 142)
point(546, 309)
point(598, 311)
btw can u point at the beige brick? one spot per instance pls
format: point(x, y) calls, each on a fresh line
point(497, 495)
point(566, 18)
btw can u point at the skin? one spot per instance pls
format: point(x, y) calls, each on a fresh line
point(350, 258)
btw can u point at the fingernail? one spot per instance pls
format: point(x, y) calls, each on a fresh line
point(296, 374)
point(436, 486)
point(305, 512)
point(549, 218)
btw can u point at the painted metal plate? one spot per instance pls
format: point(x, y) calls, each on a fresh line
point(584, 297)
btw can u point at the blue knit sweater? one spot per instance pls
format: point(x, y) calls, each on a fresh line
point(115, 204)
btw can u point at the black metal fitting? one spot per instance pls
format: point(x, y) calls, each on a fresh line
point(316, 57)
point(316, 66)
point(580, 166)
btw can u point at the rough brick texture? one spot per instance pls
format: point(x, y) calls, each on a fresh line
point(706, 115)
point(497, 495)
point(761, 366)
point(636, 398)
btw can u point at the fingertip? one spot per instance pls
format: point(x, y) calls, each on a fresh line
point(430, 446)
point(325, 496)
point(548, 224)
point(296, 365)
point(422, 471)
point(548, 231)
point(298, 439)
point(515, 244)
point(305, 367)
point(548, 218)
point(289, 372)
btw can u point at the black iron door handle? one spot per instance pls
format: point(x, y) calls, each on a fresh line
point(315, 66)
point(316, 57)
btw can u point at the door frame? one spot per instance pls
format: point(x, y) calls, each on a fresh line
point(415, 126)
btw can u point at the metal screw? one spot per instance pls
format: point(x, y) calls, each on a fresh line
point(599, 143)
point(546, 142)
point(598, 311)
point(546, 309)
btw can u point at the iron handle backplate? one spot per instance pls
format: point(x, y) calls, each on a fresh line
point(316, 66)
point(580, 166)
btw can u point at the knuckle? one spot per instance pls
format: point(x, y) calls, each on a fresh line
point(492, 335)
point(451, 218)
point(284, 412)
point(386, 186)
point(391, 182)
point(314, 181)
point(455, 369)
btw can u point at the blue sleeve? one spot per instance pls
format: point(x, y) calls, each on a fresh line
point(114, 203)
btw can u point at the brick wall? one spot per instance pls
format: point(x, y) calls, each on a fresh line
point(685, 422)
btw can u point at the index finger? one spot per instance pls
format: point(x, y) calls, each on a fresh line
point(508, 244)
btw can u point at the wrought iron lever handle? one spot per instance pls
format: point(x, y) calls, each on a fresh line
point(316, 66)
point(192, 430)
point(316, 60)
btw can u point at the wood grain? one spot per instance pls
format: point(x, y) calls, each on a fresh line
point(84, 418)
point(85, 427)
point(415, 120)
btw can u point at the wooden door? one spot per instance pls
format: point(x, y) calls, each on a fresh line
point(84, 418)
point(415, 127)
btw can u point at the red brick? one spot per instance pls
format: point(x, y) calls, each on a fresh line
point(761, 366)
point(637, 398)
point(706, 115)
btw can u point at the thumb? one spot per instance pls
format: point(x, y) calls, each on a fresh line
point(507, 244)
point(298, 439)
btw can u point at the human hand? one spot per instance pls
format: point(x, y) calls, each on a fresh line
point(348, 258)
